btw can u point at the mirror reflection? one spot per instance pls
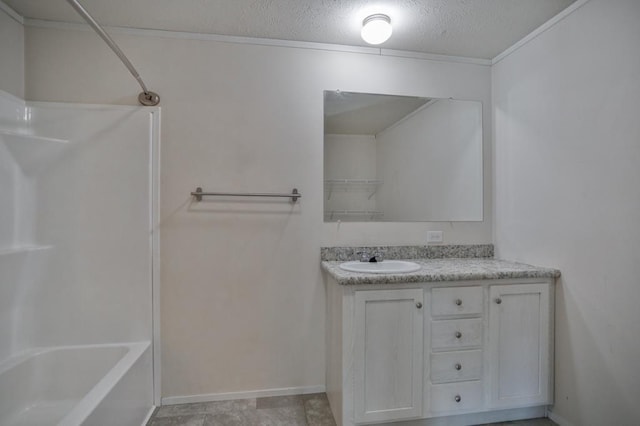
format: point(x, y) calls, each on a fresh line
point(401, 158)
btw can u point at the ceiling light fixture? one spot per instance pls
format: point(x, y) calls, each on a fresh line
point(376, 29)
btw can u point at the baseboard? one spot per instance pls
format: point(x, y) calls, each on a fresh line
point(481, 418)
point(148, 416)
point(558, 419)
point(172, 400)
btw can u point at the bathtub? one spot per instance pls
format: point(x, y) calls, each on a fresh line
point(78, 385)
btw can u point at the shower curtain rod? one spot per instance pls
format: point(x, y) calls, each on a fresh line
point(147, 97)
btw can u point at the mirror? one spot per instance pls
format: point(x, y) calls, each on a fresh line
point(401, 158)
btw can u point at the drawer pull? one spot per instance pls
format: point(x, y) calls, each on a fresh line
point(418, 305)
point(457, 398)
point(498, 300)
point(458, 366)
point(458, 335)
point(459, 302)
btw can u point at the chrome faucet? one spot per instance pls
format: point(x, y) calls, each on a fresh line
point(366, 256)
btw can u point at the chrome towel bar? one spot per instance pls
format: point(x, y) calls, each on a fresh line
point(199, 193)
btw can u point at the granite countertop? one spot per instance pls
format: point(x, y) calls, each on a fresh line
point(450, 269)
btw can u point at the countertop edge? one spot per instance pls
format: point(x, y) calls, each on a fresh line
point(444, 270)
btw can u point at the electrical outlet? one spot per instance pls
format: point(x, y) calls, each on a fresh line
point(435, 236)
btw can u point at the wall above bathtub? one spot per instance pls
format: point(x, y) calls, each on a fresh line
point(11, 52)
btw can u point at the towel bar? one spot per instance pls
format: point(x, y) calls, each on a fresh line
point(199, 193)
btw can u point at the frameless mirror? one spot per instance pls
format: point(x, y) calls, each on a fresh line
point(401, 158)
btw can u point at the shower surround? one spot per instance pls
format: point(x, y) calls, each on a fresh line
point(78, 219)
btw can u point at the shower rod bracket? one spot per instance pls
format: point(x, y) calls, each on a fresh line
point(149, 98)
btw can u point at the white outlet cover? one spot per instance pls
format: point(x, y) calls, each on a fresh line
point(435, 236)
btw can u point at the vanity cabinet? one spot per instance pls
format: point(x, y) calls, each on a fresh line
point(388, 345)
point(519, 344)
point(478, 351)
point(456, 350)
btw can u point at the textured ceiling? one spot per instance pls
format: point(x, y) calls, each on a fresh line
point(471, 28)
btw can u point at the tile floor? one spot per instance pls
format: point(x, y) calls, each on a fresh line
point(297, 410)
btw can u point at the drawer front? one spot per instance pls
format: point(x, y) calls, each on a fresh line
point(456, 366)
point(456, 334)
point(456, 396)
point(456, 301)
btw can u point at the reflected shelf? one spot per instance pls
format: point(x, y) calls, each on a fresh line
point(352, 214)
point(331, 184)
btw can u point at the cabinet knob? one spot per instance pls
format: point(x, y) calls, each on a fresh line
point(418, 305)
point(458, 335)
point(458, 366)
point(459, 302)
point(457, 398)
point(498, 300)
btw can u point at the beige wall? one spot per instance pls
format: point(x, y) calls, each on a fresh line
point(567, 156)
point(12, 55)
point(243, 302)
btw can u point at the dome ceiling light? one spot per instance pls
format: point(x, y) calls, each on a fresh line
point(376, 29)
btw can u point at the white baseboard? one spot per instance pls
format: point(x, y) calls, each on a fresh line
point(171, 400)
point(558, 419)
point(149, 414)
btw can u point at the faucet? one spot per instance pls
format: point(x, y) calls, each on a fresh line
point(366, 256)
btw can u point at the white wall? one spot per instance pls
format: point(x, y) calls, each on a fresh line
point(243, 302)
point(567, 157)
point(11, 55)
point(431, 164)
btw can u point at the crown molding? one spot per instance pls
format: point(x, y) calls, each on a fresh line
point(11, 13)
point(143, 32)
point(541, 29)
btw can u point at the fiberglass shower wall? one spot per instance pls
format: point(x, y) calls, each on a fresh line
point(76, 223)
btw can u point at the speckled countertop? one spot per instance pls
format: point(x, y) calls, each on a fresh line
point(444, 270)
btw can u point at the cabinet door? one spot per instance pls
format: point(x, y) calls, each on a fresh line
point(388, 354)
point(519, 336)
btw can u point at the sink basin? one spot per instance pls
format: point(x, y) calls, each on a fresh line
point(384, 267)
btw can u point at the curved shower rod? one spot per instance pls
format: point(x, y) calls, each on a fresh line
point(147, 97)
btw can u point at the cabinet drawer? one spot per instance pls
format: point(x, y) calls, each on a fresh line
point(456, 301)
point(456, 366)
point(456, 334)
point(456, 396)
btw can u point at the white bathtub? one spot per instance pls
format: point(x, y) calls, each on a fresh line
point(77, 385)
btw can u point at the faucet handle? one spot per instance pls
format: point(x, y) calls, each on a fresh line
point(364, 256)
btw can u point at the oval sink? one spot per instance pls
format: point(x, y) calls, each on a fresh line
point(384, 267)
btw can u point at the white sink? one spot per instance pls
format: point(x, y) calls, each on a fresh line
point(384, 267)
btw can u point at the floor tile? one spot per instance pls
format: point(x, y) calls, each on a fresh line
point(295, 410)
point(528, 422)
point(279, 401)
point(281, 416)
point(232, 418)
point(187, 420)
point(318, 411)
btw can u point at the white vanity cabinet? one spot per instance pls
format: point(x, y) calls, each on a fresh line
point(520, 344)
point(388, 345)
point(475, 351)
point(455, 383)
